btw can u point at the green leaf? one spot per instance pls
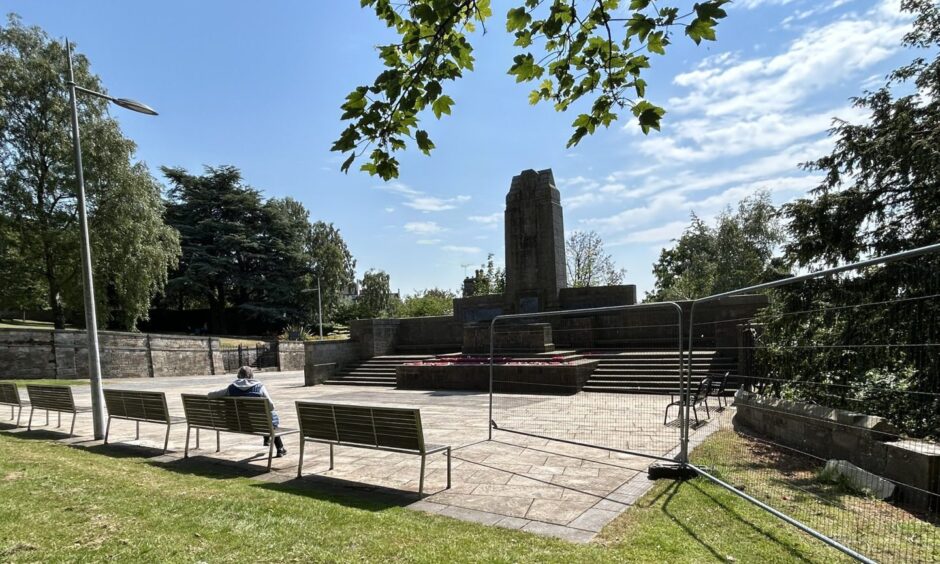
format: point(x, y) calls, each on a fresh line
point(700, 29)
point(346, 164)
point(517, 19)
point(657, 43)
point(639, 4)
point(424, 143)
point(442, 106)
point(648, 115)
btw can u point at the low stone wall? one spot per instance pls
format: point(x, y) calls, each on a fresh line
point(64, 354)
point(869, 442)
point(553, 379)
point(376, 337)
point(508, 339)
point(323, 358)
point(290, 355)
point(433, 334)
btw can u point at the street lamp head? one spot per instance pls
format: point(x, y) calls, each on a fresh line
point(135, 106)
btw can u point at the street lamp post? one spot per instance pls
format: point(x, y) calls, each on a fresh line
point(88, 288)
point(319, 299)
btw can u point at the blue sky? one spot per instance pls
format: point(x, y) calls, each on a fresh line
point(258, 86)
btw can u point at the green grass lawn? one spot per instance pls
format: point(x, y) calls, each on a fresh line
point(62, 503)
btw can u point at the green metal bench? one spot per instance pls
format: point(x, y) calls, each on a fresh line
point(380, 428)
point(242, 415)
point(10, 395)
point(53, 398)
point(139, 406)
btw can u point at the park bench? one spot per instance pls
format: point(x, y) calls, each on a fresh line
point(719, 387)
point(10, 395)
point(53, 398)
point(139, 406)
point(700, 397)
point(380, 428)
point(241, 415)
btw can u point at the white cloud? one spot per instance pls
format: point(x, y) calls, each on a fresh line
point(663, 233)
point(423, 227)
point(459, 249)
point(389, 210)
point(418, 200)
point(489, 219)
point(428, 241)
point(821, 57)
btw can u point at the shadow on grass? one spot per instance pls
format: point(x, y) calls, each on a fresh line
point(344, 492)
point(693, 529)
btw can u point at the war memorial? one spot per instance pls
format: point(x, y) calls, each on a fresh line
point(540, 346)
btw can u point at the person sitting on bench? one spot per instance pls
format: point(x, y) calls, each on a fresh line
point(245, 385)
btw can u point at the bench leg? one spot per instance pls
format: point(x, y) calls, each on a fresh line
point(137, 433)
point(448, 467)
point(186, 448)
point(331, 456)
point(59, 424)
point(29, 426)
point(707, 413)
point(72, 428)
point(666, 415)
point(166, 441)
point(47, 418)
point(421, 479)
point(107, 430)
point(300, 463)
point(19, 413)
point(270, 452)
point(197, 438)
point(218, 442)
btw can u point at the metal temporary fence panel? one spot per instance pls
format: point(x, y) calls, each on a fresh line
point(601, 377)
point(831, 420)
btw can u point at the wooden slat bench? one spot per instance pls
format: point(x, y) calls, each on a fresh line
point(53, 398)
point(10, 395)
point(380, 428)
point(243, 415)
point(139, 406)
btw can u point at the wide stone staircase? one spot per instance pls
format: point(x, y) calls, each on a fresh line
point(376, 371)
point(652, 371)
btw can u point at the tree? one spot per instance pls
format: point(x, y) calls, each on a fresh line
point(488, 279)
point(880, 195)
point(737, 252)
point(424, 303)
point(596, 52)
point(375, 296)
point(334, 263)
point(220, 223)
point(588, 264)
point(132, 247)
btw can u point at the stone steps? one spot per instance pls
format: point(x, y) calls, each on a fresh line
point(652, 371)
point(376, 371)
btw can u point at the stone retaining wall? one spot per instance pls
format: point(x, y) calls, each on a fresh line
point(555, 379)
point(869, 442)
point(64, 354)
point(323, 358)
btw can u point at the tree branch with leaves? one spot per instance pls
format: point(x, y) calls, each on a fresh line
point(596, 51)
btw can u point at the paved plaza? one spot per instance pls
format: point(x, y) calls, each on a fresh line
point(515, 481)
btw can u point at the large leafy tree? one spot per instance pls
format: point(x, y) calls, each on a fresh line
point(259, 257)
point(737, 252)
point(375, 296)
point(588, 263)
point(592, 50)
point(132, 247)
point(424, 303)
point(334, 264)
point(220, 221)
point(871, 330)
point(488, 279)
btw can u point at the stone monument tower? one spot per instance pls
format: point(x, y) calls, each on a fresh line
point(535, 243)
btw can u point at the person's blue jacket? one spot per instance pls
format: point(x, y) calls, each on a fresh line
point(250, 388)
